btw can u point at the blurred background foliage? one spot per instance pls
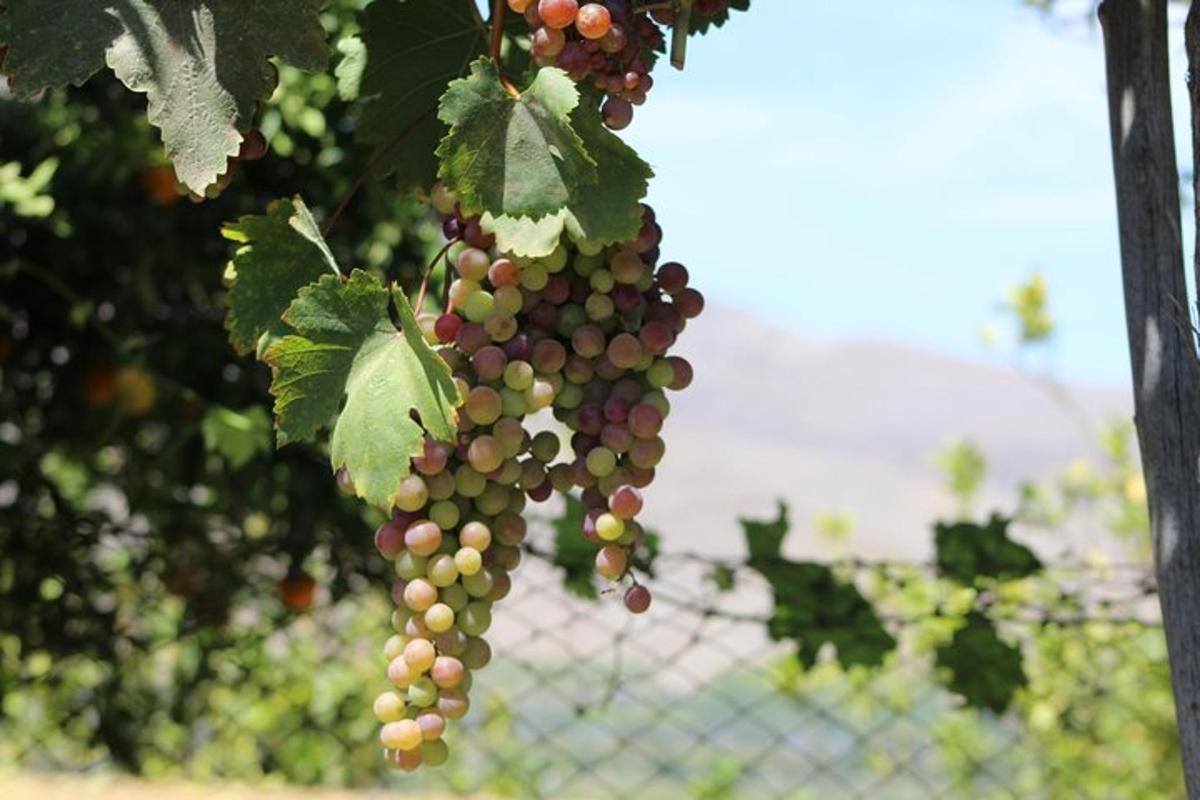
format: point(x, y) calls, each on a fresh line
point(177, 598)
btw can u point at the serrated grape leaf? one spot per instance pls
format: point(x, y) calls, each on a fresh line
point(514, 156)
point(237, 436)
point(812, 605)
point(346, 346)
point(572, 553)
point(412, 50)
point(986, 670)
point(201, 63)
point(702, 24)
point(606, 213)
point(281, 252)
point(967, 551)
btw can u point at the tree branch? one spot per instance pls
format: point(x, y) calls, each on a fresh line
point(1165, 375)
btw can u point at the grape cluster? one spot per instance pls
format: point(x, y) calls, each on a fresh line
point(605, 41)
point(584, 332)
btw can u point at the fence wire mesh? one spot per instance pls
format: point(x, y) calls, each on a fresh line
point(693, 699)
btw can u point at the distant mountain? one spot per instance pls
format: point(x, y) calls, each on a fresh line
point(846, 426)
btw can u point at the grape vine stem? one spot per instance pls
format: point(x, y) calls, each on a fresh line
point(370, 168)
point(497, 42)
point(429, 271)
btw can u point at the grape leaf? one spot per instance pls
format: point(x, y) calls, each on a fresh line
point(346, 345)
point(606, 213)
point(966, 552)
point(980, 666)
point(201, 63)
point(281, 252)
point(237, 436)
point(412, 50)
point(812, 606)
point(516, 156)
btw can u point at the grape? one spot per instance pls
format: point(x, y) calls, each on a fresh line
point(504, 272)
point(447, 672)
point(593, 21)
point(254, 146)
point(422, 693)
point(476, 654)
point(420, 594)
point(475, 535)
point(475, 619)
point(389, 707)
point(609, 527)
point(484, 406)
point(423, 538)
point(389, 539)
point(558, 13)
point(419, 655)
point(485, 454)
point(625, 502)
point(399, 673)
point(473, 264)
point(611, 562)
point(412, 493)
point(637, 599)
point(442, 572)
point(468, 561)
point(434, 753)
point(645, 421)
point(519, 6)
point(690, 303)
point(617, 113)
point(402, 735)
point(452, 703)
point(407, 760)
point(548, 42)
point(432, 724)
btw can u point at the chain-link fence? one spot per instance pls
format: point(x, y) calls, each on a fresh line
point(693, 699)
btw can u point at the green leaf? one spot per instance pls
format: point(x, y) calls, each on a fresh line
point(201, 63)
point(413, 49)
point(237, 436)
point(967, 552)
point(980, 666)
point(280, 253)
point(812, 606)
point(346, 346)
point(606, 213)
point(574, 554)
point(515, 156)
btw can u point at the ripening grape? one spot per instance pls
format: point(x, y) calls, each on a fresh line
point(637, 599)
point(558, 13)
point(593, 21)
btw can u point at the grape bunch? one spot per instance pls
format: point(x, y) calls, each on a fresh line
point(606, 41)
point(583, 334)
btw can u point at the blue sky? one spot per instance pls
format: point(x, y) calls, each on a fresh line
point(884, 169)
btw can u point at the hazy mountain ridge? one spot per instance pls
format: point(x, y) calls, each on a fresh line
point(846, 426)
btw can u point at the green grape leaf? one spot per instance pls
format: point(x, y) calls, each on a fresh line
point(980, 666)
point(607, 213)
point(412, 50)
point(515, 156)
point(572, 553)
point(702, 24)
point(346, 346)
point(967, 551)
point(55, 42)
point(812, 605)
point(202, 64)
point(237, 436)
point(281, 252)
